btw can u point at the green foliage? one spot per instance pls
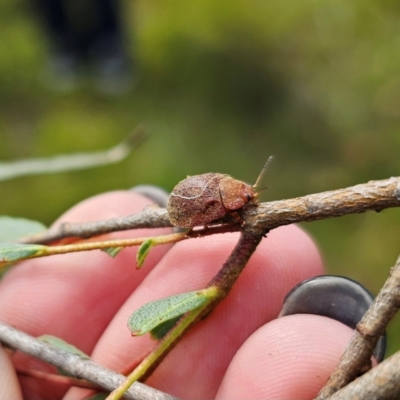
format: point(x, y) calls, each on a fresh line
point(143, 251)
point(98, 396)
point(161, 330)
point(14, 228)
point(10, 252)
point(153, 314)
point(113, 251)
point(62, 345)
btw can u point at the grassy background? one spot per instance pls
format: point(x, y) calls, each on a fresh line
point(221, 86)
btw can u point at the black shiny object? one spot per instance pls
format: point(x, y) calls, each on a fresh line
point(336, 297)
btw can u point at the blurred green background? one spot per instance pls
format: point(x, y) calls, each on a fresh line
point(220, 87)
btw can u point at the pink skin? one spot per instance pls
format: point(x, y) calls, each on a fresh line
point(240, 351)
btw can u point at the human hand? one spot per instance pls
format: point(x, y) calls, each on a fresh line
point(240, 351)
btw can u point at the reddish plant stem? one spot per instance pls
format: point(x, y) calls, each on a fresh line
point(224, 280)
point(234, 265)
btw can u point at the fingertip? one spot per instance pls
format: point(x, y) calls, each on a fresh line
point(68, 294)
point(105, 205)
point(286, 257)
point(292, 246)
point(291, 357)
point(9, 386)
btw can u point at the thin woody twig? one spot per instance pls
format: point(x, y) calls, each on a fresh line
point(374, 195)
point(371, 196)
point(150, 217)
point(381, 382)
point(76, 365)
point(366, 335)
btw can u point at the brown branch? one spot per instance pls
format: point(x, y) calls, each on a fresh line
point(366, 335)
point(76, 365)
point(381, 382)
point(374, 195)
point(150, 217)
point(234, 265)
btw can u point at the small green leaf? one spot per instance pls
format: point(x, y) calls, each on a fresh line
point(151, 315)
point(143, 251)
point(161, 330)
point(98, 396)
point(14, 251)
point(63, 345)
point(113, 251)
point(15, 228)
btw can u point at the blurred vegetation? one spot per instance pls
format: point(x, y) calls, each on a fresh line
point(221, 86)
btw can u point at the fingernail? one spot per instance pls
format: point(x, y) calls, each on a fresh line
point(336, 297)
point(154, 193)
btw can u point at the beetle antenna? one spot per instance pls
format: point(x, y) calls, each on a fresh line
point(270, 158)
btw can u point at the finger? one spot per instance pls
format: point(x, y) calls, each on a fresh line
point(291, 357)
point(198, 363)
point(74, 296)
point(9, 386)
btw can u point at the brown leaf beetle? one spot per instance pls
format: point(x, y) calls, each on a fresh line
point(201, 199)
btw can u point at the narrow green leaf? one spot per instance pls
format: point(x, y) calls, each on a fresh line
point(161, 330)
point(151, 315)
point(98, 396)
point(14, 251)
point(63, 345)
point(113, 251)
point(143, 251)
point(15, 228)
